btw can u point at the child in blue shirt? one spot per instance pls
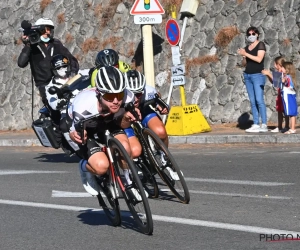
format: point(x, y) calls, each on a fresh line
point(288, 93)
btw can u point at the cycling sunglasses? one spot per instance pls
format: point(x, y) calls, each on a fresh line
point(138, 95)
point(110, 97)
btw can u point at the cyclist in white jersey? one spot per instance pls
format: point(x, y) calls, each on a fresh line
point(107, 99)
point(135, 82)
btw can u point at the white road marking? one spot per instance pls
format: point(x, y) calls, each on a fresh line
point(11, 172)
point(64, 194)
point(201, 223)
point(234, 194)
point(239, 182)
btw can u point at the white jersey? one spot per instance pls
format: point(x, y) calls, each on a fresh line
point(85, 105)
point(149, 93)
point(53, 100)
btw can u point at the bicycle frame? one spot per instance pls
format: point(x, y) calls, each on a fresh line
point(147, 153)
point(113, 179)
point(138, 128)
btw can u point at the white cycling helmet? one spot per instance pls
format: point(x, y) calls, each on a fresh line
point(44, 21)
point(135, 81)
point(110, 80)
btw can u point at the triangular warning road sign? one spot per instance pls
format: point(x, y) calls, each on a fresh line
point(146, 7)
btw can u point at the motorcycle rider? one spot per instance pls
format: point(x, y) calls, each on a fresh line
point(60, 66)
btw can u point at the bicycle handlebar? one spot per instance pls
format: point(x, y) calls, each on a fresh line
point(81, 124)
point(156, 100)
point(130, 107)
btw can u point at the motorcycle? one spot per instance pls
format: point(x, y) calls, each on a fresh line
point(51, 134)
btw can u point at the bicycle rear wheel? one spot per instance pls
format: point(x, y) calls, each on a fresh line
point(138, 205)
point(148, 180)
point(110, 205)
point(167, 167)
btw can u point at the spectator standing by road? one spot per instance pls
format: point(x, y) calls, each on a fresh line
point(253, 59)
point(278, 61)
point(289, 94)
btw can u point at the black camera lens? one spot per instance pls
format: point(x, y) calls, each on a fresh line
point(34, 38)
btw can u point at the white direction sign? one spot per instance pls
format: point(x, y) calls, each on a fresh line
point(177, 80)
point(176, 55)
point(147, 19)
point(178, 70)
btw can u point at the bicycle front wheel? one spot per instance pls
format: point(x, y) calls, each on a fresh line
point(167, 167)
point(110, 205)
point(134, 193)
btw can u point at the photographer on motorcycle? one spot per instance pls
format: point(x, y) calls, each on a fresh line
point(40, 47)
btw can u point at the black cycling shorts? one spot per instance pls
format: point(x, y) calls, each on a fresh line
point(93, 146)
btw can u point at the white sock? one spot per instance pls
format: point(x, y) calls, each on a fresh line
point(126, 174)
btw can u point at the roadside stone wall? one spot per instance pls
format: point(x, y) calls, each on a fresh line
point(86, 26)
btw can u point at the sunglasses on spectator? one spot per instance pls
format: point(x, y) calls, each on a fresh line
point(138, 95)
point(110, 97)
point(252, 34)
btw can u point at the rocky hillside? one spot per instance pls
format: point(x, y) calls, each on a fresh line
point(214, 73)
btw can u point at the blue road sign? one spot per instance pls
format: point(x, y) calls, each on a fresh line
point(172, 32)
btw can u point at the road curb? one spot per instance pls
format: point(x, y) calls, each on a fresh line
point(196, 139)
point(19, 142)
point(231, 139)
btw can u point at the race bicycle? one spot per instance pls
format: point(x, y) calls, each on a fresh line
point(157, 157)
point(114, 182)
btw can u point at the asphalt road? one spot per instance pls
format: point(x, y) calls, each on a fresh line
point(239, 195)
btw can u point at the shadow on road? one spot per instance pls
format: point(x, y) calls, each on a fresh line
point(55, 158)
point(165, 195)
point(93, 218)
point(98, 218)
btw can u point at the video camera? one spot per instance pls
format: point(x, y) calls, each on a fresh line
point(32, 31)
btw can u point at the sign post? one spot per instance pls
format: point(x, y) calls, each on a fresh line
point(147, 12)
point(184, 119)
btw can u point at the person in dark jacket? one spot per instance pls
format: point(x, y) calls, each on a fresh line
point(39, 54)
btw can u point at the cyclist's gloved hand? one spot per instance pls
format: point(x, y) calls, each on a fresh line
point(61, 103)
point(161, 110)
point(129, 116)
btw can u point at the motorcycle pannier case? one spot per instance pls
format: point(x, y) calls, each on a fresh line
point(44, 130)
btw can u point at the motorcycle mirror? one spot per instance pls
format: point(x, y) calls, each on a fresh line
point(52, 90)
